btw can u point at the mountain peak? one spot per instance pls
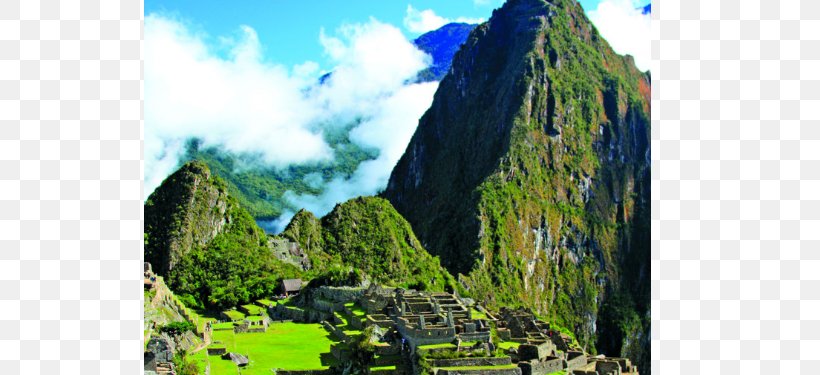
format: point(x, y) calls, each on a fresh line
point(188, 209)
point(529, 173)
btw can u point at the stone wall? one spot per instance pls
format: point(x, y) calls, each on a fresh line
point(338, 294)
point(504, 334)
point(303, 372)
point(538, 352)
point(281, 312)
point(476, 336)
point(461, 362)
point(608, 368)
point(217, 351)
point(541, 367)
point(576, 360)
point(340, 352)
point(426, 336)
point(327, 305)
point(503, 371)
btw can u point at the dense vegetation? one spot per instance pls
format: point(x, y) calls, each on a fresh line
point(368, 234)
point(529, 175)
point(209, 248)
point(260, 188)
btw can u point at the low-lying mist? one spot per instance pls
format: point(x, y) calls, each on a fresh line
point(242, 104)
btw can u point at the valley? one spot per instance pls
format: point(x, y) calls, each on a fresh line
point(512, 237)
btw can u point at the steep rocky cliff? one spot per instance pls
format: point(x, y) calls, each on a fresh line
point(529, 175)
point(189, 209)
point(209, 248)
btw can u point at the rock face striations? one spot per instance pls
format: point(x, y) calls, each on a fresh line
point(189, 209)
point(529, 175)
point(208, 248)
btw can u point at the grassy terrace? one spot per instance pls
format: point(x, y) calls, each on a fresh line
point(356, 309)
point(265, 302)
point(509, 344)
point(478, 314)
point(275, 349)
point(218, 326)
point(437, 346)
point(383, 368)
point(253, 309)
point(234, 315)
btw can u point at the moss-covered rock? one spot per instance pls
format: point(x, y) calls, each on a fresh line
point(368, 234)
point(209, 248)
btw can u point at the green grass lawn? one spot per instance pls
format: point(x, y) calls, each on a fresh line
point(234, 315)
point(289, 346)
point(218, 326)
point(255, 318)
point(355, 309)
point(377, 368)
point(478, 314)
point(508, 344)
point(265, 302)
point(221, 366)
point(253, 309)
point(201, 360)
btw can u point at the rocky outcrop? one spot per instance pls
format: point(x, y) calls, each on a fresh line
point(189, 209)
point(368, 235)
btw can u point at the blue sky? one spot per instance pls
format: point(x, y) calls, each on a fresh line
point(289, 30)
point(242, 76)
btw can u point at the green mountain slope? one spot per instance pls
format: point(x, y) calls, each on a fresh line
point(209, 249)
point(529, 175)
point(260, 188)
point(368, 234)
point(212, 254)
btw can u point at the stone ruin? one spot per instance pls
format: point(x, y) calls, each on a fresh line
point(289, 252)
point(423, 318)
point(602, 365)
point(239, 359)
point(149, 279)
point(158, 356)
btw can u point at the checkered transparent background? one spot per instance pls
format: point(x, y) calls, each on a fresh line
point(736, 187)
point(70, 187)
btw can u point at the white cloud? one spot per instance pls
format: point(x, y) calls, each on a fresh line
point(625, 28)
point(243, 104)
point(422, 21)
point(390, 129)
point(191, 92)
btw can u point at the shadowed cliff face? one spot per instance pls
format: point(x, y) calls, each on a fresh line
point(529, 175)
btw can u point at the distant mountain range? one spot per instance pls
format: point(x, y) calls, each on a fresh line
point(442, 45)
point(261, 189)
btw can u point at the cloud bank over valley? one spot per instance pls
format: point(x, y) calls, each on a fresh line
point(243, 104)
